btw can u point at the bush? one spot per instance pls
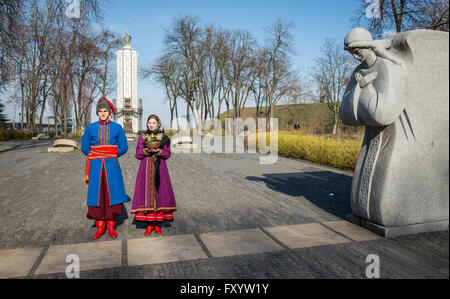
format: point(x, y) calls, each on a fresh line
point(335, 152)
point(170, 132)
point(6, 135)
point(76, 134)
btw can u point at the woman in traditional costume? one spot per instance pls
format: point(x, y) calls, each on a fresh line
point(103, 142)
point(154, 200)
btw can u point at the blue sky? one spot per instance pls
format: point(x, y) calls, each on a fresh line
point(146, 20)
point(314, 20)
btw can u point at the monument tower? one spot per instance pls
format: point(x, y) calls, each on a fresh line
point(129, 108)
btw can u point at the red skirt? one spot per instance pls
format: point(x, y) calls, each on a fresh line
point(155, 216)
point(105, 211)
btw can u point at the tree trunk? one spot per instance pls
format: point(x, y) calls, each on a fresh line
point(65, 112)
point(335, 122)
point(176, 115)
point(41, 117)
point(22, 108)
point(188, 118)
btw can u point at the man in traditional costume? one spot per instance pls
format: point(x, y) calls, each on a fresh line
point(103, 142)
point(154, 200)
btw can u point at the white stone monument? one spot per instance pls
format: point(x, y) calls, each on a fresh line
point(129, 109)
point(400, 93)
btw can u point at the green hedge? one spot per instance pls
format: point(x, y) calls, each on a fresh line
point(14, 134)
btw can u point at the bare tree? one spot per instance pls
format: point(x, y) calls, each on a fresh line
point(259, 88)
point(48, 54)
point(296, 92)
point(222, 56)
point(84, 67)
point(181, 41)
point(401, 15)
point(241, 71)
point(32, 57)
point(167, 72)
point(108, 42)
point(279, 46)
point(431, 14)
point(330, 73)
point(78, 61)
point(214, 66)
point(11, 17)
point(15, 14)
point(209, 75)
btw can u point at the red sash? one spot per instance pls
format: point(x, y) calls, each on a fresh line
point(99, 152)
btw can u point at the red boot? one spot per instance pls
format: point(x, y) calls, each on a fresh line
point(149, 230)
point(158, 229)
point(101, 225)
point(111, 229)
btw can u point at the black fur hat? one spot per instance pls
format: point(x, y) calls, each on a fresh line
point(103, 103)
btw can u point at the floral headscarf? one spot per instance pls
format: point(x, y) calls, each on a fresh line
point(158, 128)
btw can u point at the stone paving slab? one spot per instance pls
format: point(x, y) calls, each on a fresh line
point(238, 242)
point(352, 231)
point(416, 256)
point(157, 250)
point(164, 253)
point(306, 235)
point(94, 255)
point(18, 262)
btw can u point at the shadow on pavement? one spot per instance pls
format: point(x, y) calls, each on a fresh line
point(22, 146)
point(327, 190)
point(11, 149)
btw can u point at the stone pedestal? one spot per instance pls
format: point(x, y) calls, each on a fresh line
point(395, 231)
point(401, 180)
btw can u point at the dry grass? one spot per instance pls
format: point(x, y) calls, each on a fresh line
point(336, 152)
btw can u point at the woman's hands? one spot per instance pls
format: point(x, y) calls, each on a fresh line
point(148, 151)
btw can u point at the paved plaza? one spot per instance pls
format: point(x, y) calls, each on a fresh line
point(236, 218)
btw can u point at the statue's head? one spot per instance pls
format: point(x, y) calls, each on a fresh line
point(359, 36)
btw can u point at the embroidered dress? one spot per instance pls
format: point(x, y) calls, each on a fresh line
point(154, 199)
point(106, 190)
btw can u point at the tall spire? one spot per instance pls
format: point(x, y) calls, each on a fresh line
point(126, 39)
